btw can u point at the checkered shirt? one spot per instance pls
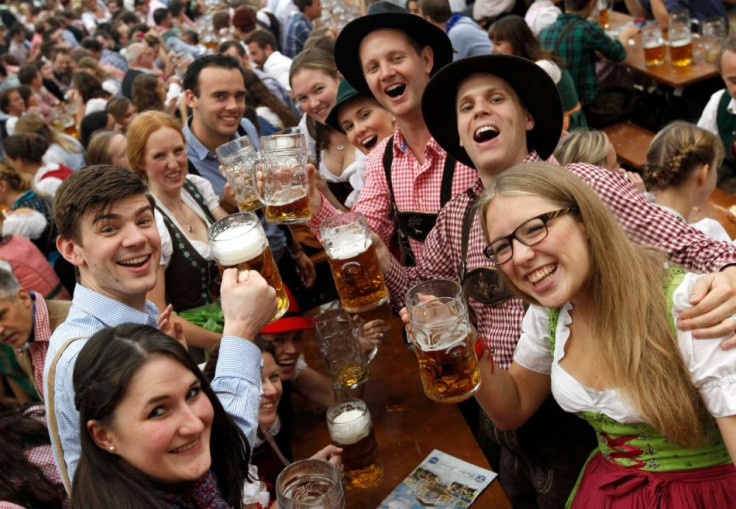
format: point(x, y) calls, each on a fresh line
point(297, 30)
point(578, 49)
point(40, 344)
point(416, 187)
point(500, 325)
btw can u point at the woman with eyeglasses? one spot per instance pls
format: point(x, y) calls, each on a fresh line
point(600, 336)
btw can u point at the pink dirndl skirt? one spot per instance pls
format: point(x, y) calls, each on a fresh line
point(605, 485)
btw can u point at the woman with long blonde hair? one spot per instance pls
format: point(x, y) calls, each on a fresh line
point(600, 336)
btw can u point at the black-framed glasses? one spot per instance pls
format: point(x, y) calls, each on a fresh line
point(528, 233)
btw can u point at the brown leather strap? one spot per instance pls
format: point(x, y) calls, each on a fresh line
point(51, 417)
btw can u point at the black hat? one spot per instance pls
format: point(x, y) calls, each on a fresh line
point(345, 94)
point(383, 15)
point(532, 84)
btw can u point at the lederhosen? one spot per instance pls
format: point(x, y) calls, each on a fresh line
point(415, 225)
point(191, 281)
point(726, 123)
point(539, 461)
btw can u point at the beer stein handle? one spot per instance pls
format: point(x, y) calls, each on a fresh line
point(259, 183)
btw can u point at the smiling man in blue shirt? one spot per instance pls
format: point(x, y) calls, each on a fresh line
point(108, 232)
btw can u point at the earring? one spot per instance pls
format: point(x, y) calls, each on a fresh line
point(111, 448)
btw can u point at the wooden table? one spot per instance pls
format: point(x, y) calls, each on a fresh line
point(667, 74)
point(715, 208)
point(407, 424)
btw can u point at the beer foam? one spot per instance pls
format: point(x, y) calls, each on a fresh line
point(350, 426)
point(238, 244)
point(348, 245)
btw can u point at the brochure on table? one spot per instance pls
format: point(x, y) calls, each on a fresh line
point(440, 480)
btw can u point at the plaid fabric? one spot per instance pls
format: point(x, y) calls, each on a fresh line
point(40, 344)
point(500, 326)
point(416, 187)
point(297, 31)
point(578, 49)
point(114, 58)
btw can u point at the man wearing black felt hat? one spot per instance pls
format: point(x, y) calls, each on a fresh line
point(493, 112)
point(390, 54)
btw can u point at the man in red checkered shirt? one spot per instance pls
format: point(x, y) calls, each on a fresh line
point(493, 112)
point(26, 324)
point(390, 54)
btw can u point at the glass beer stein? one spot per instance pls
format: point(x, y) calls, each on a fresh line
point(341, 349)
point(353, 261)
point(350, 427)
point(443, 340)
point(285, 180)
point(653, 45)
point(238, 158)
point(238, 241)
point(310, 484)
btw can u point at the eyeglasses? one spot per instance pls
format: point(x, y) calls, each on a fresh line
point(528, 233)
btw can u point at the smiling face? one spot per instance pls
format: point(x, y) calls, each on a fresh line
point(16, 319)
point(220, 105)
point(365, 123)
point(491, 123)
point(162, 425)
point(315, 91)
point(118, 253)
point(165, 161)
point(555, 270)
point(272, 390)
point(288, 348)
point(396, 74)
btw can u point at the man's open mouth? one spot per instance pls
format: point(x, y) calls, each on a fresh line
point(485, 133)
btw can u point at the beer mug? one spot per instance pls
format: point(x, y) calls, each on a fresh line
point(680, 37)
point(653, 44)
point(353, 262)
point(310, 484)
point(714, 34)
point(238, 158)
point(339, 345)
point(443, 340)
point(238, 241)
point(604, 7)
point(285, 182)
point(350, 427)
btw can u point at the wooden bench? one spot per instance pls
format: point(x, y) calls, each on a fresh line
point(631, 143)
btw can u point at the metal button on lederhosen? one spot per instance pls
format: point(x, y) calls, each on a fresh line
point(482, 284)
point(415, 225)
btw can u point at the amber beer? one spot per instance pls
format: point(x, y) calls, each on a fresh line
point(289, 205)
point(654, 54)
point(357, 273)
point(244, 246)
point(350, 427)
point(449, 373)
point(681, 51)
point(603, 17)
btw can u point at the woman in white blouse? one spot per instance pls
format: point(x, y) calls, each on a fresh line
point(186, 206)
point(600, 336)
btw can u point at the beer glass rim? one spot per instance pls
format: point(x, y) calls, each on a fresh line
point(217, 228)
point(233, 149)
point(332, 472)
point(344, 219)
point(451, 283)
point(332, 412)
point(273, 139)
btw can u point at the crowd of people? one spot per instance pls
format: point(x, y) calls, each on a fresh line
point(136, 374)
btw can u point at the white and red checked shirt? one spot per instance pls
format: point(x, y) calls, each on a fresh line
point(416, 187)
point(500, 326)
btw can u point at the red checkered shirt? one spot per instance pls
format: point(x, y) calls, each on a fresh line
point(500, 325)
point(40, 344)
point(416, 187)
